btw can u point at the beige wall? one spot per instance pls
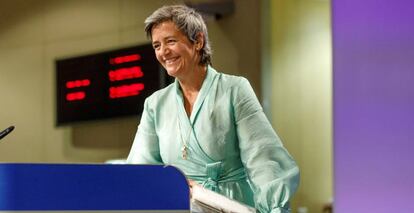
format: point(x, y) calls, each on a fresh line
point(301, 100)
point(33, 33)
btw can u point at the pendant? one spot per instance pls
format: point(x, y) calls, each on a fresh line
point(184, 152)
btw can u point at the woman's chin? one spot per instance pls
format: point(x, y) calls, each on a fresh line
point(172, 72)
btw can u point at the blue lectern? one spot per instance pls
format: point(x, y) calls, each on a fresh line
point(89, 187)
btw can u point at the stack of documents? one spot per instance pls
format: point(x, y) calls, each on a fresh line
point(204, 200)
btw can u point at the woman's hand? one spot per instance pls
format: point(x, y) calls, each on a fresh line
point(191, 183)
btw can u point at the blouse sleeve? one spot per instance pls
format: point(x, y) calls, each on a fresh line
point(272, 172)
point(145, 148)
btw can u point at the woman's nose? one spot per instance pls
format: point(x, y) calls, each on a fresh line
point(163, 50)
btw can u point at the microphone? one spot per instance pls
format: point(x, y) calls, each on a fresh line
point(6, 132)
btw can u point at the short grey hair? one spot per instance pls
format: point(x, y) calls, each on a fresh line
point(188, 22)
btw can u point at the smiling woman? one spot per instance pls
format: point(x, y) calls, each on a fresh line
point(177, 53)
point(210, 124)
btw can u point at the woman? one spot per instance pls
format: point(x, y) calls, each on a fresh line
point(209, 124)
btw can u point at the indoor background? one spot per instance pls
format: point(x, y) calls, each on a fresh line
point(282, 46)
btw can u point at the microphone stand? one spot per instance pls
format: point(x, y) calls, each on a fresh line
point(6, 132)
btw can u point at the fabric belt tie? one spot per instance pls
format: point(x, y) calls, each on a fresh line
point(215, 176)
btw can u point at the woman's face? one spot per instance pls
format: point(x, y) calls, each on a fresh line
point(176, 53)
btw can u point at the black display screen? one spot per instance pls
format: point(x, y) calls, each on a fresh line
point(107, 84)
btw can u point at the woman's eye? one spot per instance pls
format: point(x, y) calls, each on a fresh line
point(156, 46)
point(171, 41)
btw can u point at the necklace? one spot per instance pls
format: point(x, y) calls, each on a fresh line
point(184, 148)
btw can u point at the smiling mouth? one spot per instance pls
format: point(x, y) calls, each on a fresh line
point(171, 60)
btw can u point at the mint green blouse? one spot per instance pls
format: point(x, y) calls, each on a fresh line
point(232, 148)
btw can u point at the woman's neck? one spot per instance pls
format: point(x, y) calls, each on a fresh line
point(191, 86)
point(193, 81)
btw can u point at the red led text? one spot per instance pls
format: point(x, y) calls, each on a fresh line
point(125, 59)
point(125, 90)
point(78, 83)
point(125, 73)
point(75, 96)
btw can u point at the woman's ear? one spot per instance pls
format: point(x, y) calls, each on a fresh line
point(199, 41)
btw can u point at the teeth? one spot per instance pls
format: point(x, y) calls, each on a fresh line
point(170, 61)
